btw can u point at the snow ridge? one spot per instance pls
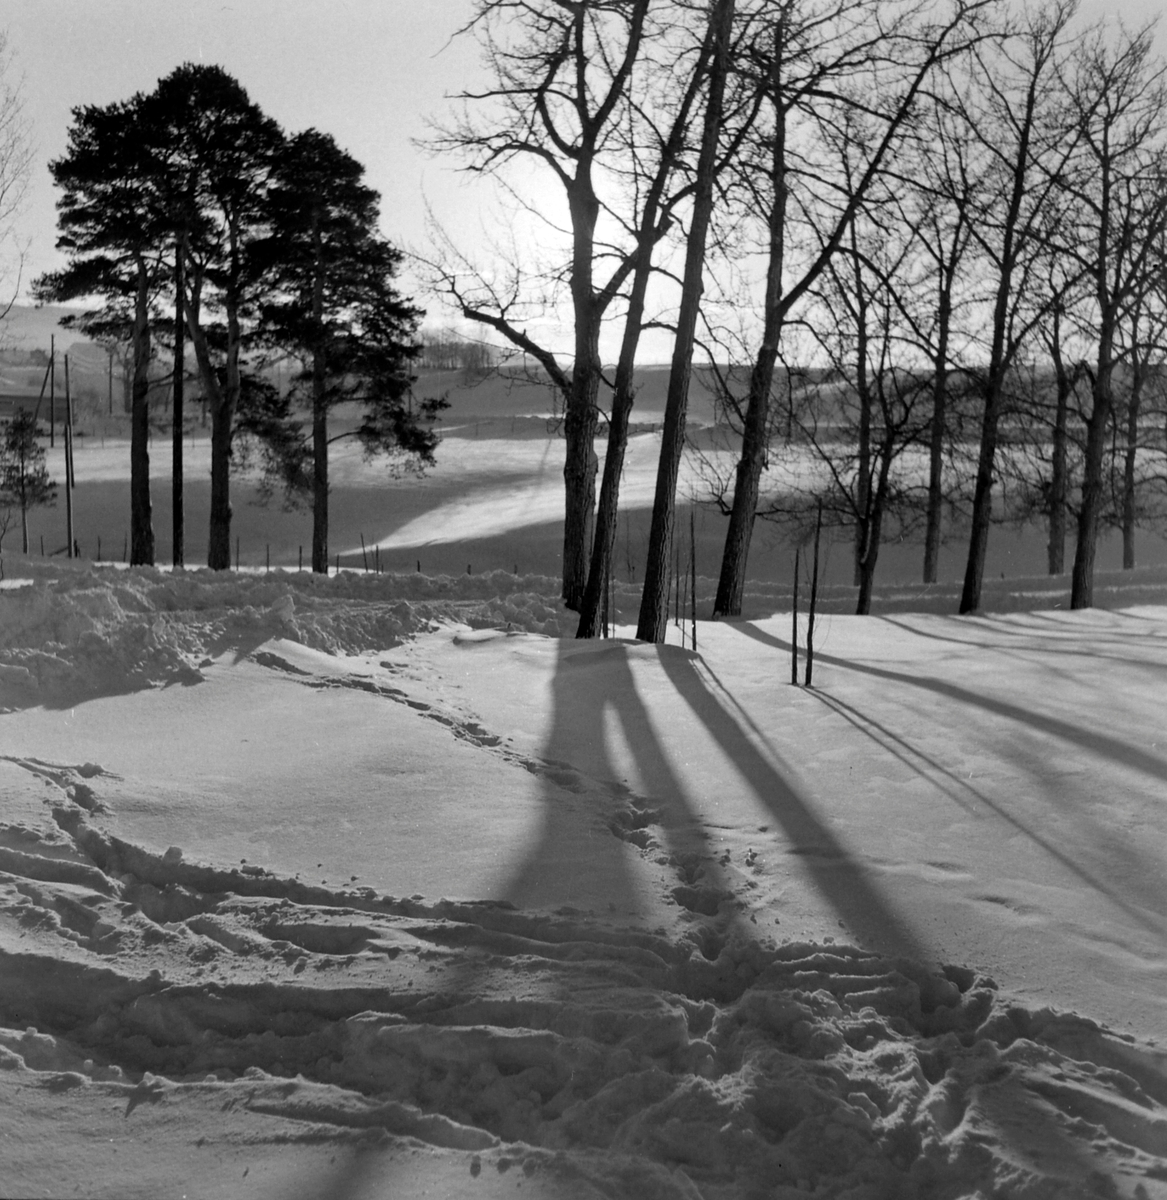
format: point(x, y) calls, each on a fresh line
point(715, 1065)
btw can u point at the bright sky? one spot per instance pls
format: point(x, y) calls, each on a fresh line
point(367, 71)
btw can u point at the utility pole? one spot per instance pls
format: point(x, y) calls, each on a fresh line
point(68, 459)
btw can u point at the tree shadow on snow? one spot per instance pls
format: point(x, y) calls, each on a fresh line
point(592, 686)
point(1103, 745)
point(1116, 751)
point(836, 873)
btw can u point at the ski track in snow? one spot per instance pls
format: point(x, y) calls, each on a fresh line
point(385, 1043)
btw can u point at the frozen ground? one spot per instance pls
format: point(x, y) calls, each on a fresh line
point(369, 887)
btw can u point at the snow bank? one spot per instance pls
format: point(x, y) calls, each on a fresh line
point(80, 632)
point(588, 1058)
point(713, 1066)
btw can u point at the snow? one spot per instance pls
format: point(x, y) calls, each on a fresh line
point(375, 886)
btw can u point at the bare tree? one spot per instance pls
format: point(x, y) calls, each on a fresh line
point(652, 619)
point(15, 166)
point(864, 56)
point(1117, 93)
point(656, 146)
point(1017, 115)
point(560, 73)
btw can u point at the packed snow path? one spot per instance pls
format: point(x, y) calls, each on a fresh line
point(694, 925)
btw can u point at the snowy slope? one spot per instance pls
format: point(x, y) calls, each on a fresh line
point(343, 887)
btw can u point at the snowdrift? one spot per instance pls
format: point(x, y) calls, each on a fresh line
point(173, 1025)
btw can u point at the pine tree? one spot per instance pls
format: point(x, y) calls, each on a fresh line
point(111, 218)
point(338, 312)
point(24, 478)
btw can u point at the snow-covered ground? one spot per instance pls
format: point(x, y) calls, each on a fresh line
point(372, 887)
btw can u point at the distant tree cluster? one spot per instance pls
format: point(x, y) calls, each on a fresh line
point(194, 218)
point(446, 350)
point(920, 243)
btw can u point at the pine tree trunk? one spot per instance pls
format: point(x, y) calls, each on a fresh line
point(141, 518)
point(319, 419)
point(222, 433)
point(653, 604)
point(219, 537)
point(177, 520)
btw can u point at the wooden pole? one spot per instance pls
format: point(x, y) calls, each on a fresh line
point(68, 460)
point(794, 622)
point(814, 592)
point(52, 390)
point(364, 556)
point(693, 575)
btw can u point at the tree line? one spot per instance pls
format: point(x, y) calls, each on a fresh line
point(196, 220)
point(920, 243)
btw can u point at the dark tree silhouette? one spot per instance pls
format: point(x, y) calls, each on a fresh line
point(338, 312)
point(24, 478)
point(111, 222)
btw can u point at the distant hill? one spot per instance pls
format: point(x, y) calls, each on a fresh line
point(29, 328)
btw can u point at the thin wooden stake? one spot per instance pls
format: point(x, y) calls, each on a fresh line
point(693, 576)
point(68, 460)
point(814, 592)
point(794, 622)
point(267, 558)
point(364, 556)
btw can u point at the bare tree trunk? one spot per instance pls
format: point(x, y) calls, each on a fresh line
point(141, 523)
point(808, 679)
point(1130, 461)
point(863, 393)
point(1003, 345)
point(874, 535)
point(731, 582)
point(1082, 576)
point(653, 603)
point(1057, 492)
point(937, 434)
point(607, 512)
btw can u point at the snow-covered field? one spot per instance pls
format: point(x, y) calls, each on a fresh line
point(375, 886)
